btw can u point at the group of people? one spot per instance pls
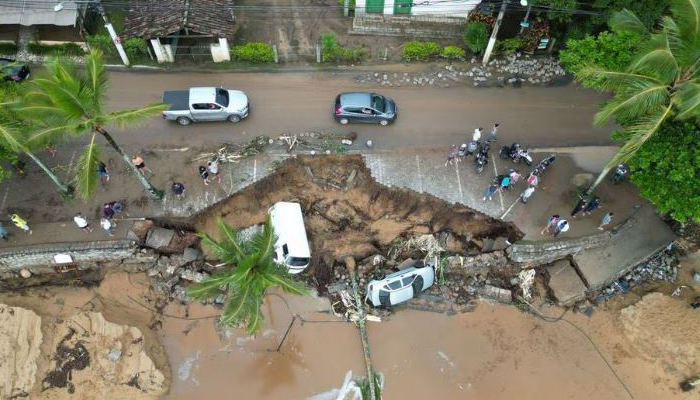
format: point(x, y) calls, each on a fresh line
point(453, 153)
point(207, 173)
point(586, 205)
point(107, 221)
point(506, 182)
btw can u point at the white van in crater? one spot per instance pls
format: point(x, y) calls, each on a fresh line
point(292, 246)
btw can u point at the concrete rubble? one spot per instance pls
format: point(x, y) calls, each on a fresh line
point(515, 70)
point(663, 266)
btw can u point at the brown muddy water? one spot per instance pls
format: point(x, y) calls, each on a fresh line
point(495, 352)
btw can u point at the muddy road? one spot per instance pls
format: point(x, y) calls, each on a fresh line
point(429, 117)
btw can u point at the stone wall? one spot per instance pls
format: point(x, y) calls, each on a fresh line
point(13, 259)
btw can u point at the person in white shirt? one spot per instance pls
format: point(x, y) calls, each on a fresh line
point(494, 132)
point(82, 223)
point(527, 193)
point(108, 226)
point(477, 134)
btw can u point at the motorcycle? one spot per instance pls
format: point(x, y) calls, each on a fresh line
point(516, 153)
point(620, 173)
point(482, 158)
point(523, 155)
point(542, 165)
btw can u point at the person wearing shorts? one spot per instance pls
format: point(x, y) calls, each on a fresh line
point(204, 174)
point(213, 169)
point(140, 164)
point(179, 190)
point(102, 170)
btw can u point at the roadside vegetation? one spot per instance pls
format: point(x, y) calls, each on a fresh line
point(248, 272)
point(256, 53)
point(332, 51)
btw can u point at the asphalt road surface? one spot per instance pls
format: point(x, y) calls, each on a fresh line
point(429, 117)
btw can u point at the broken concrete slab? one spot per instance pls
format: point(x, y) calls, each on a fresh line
point(191, 254)
point(567, 287)
point(645, 236)
point(496, 293)
point(159, 237)
point(139, 230)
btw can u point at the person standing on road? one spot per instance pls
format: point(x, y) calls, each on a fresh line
point(514, 176)
point(179, 190)
point(20, 223)
point(108, 211)
point(490, 191)
point(562, 226)
point(3, 232)
point(82, 223)
point(108, 226)
point(494, 132)
point(140, 164)
point(204, 174)
point(102, 170)
point(580, 206)
point(607, 218)
point(213, 169)
point(532, 179)
point(527, 193)
point(477, 134)
point(592, 206)
point(452, 155)
point(551, 224)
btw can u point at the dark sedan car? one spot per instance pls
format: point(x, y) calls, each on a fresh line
point(364, 107)
point(10, 70)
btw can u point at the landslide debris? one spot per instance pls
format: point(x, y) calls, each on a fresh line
point(83, 356)
point(348, 214)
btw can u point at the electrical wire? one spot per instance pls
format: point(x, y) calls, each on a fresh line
point(545, 318)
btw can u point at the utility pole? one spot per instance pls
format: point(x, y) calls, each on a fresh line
point(494, 33)
point(524, 24)
point(113, 34)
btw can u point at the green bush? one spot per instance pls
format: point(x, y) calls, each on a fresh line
point(422, 51)
point(8, 48)
point(135, 48)
point(256, 53)
point(509, 46)
point(331, 51)
point(65, 49)
point(103, 43)
point(476, 36)
point(453, 53)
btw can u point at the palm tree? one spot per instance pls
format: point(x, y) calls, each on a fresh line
point(249, 270)
point(661, 83)
point(11, 137)
point(70, 103)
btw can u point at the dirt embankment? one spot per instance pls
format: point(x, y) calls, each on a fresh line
point(52, 351)
point(347, 213)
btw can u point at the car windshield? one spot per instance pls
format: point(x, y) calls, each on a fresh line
point(222, 97)
point(378, 103)
point(298, 261)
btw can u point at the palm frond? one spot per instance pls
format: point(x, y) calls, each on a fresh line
point(687, 15)
point(44, 135)
point(211, 286)
point(230, 240)
point(639, 133)
point(86, 178)
point(264, 242)
point(688, 100)
point(129, 118)
point(222, 253)
point(72, 102)
point(657, 59)
point(11, 137)
point(96, 77)
point(632, 102)
point(241, 305)
point(626, 20)
point(278, 276)
point(613, 80)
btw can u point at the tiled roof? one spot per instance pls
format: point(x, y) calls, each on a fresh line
point(149, 19)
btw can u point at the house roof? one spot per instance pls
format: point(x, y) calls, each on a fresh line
point(149, 19)
point(28, 12)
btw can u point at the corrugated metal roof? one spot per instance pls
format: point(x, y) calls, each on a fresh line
point(150, 19)
point(27, 12)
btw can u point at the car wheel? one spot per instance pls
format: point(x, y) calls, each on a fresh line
point(383, 122)
point(417, 285)
point(234, 118)
point(184, 121)
point(343, 121)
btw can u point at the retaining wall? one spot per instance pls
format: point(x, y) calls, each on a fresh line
point(12, 259)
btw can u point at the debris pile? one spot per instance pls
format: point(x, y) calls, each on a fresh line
point(516, 69)
point(663, 266)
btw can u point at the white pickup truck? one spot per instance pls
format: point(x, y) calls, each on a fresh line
point(206, 104)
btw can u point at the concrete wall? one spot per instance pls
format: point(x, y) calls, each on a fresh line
point(408, 26)
point(456, 8)
point(220, 51)
point(12, 259)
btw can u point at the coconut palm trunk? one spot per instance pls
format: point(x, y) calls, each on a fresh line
point(155, 193)
point(65, 189)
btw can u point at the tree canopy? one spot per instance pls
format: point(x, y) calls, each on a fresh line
point(611, 50)
point(667, 170)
